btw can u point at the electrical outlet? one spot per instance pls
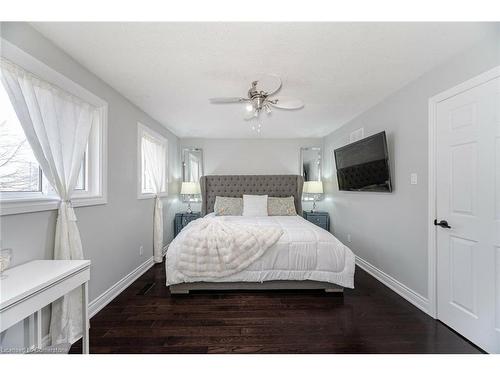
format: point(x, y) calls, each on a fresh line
point(349, 239)
point(141, 250)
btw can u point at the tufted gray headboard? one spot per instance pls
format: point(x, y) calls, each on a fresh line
point(236, 185)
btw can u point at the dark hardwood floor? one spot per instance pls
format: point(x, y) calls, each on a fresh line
point(145, 318)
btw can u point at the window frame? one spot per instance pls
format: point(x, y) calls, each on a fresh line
point(96, 167)
point(144, 129)
point(85, 177)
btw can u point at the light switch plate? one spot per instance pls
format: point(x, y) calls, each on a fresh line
point(413, 179)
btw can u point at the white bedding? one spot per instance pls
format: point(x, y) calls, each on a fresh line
point(304, 252)
point(216, 248)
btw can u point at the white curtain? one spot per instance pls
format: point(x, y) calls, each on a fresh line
point(57, 126)
point(155, 157)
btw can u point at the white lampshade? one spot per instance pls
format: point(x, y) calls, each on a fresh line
point(313, 187)
point(190, 188)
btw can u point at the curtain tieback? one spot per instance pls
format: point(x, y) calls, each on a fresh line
point(67, 206)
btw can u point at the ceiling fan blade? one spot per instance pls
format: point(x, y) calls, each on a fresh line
point(269, 83)
point(286, 102)
point(227, 100)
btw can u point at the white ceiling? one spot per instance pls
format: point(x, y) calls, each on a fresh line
point(339, 70)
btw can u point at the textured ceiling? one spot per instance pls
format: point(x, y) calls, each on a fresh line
point(339, 70)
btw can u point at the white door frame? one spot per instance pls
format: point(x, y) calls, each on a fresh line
point(432, 144)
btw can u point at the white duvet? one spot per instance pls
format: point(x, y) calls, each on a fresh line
point(303, 252)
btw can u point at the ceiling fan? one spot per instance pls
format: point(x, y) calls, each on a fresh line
point(259, 99)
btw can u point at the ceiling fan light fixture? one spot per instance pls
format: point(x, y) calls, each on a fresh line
point(258, 99)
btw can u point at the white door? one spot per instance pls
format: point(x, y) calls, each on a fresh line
point(468, 199)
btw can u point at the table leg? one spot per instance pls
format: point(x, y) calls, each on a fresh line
point(85, 318)
point(38, 329)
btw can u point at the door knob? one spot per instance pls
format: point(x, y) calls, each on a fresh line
point(442, 223)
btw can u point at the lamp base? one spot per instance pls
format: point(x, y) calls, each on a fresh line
point(189, 210)
point(313, 209)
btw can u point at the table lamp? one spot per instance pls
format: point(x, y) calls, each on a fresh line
point(188, 191)
point(314, 188)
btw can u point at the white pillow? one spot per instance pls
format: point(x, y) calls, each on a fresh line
point(254, 205)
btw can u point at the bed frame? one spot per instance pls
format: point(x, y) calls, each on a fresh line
point(235, 186)
point(185, 288)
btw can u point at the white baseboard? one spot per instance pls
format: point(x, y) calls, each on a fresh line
point(101, 301)
point(410, 295)
point(97, 304)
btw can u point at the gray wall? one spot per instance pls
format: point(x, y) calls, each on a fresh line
point(251, 156)
point(390, 230)
point(124, 223)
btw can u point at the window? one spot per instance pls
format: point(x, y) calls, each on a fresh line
point(23, 187)
point(147, 138)
point(19, 170)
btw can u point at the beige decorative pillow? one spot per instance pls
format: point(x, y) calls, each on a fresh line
point(225, 206)
point(281, 206)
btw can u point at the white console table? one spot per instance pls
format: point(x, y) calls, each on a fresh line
point(27, 288)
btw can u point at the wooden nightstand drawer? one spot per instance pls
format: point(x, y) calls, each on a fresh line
point(182, 219)
point(320, 218)
point(187, 219)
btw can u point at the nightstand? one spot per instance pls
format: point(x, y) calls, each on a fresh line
point(320, 218)
point(182, 219)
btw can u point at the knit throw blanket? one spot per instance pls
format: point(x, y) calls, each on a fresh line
point(211, 247)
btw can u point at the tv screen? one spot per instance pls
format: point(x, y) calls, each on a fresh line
point(364, 165)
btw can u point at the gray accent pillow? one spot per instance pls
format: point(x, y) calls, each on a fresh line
point(281, 206)
point(225, 206)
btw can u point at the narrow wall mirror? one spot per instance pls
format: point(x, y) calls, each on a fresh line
point(310, 163)
point(192, 168)
point(192, 164)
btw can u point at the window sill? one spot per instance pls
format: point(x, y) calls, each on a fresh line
point(21, 206)
point(151, 196)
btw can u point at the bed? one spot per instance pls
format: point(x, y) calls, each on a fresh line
point(305, 256)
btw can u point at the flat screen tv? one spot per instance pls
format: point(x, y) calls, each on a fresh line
point(364, 165)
